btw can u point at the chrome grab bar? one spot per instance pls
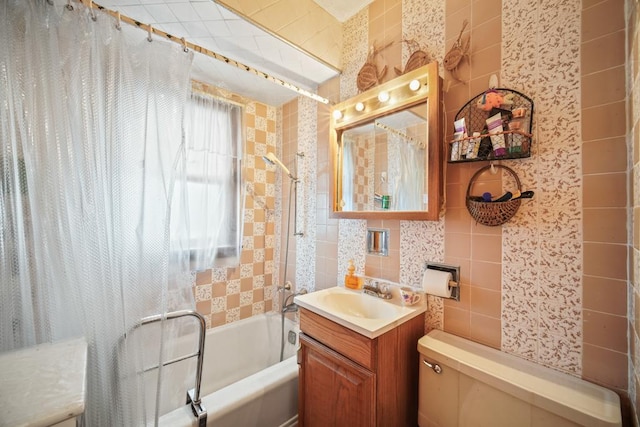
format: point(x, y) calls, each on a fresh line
point(193, 395)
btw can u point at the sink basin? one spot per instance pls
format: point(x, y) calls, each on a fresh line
point(362, 313)
point(361, 305)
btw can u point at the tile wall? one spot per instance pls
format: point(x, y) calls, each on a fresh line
point(225, 295)
point(551, 285)
point(633, 164)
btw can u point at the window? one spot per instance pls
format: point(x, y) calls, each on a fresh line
point(213, 141)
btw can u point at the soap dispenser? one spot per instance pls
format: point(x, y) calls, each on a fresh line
point(351, 280)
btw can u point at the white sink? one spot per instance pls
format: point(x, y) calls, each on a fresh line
point(362, 313)
point(360, 305)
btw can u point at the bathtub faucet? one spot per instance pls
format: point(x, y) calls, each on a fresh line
point(290, 307)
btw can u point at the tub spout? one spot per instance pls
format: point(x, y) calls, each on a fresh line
point(290, 308)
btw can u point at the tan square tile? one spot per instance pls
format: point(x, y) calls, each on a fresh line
point(204, 277)
point(604, 121)
point(457, 245)
point(604, 366)
point(486, 248)
point(606, 225)
point(604, 295)
point(605, 155)
point(233, 301)
point(605, 260)
point(486, 330)
point(246, 311)
point(457, 321)
point(605, 330)
point(486, 275)
point(604, 191)
point(602, 19)
point(485, 301)
point(603, 53)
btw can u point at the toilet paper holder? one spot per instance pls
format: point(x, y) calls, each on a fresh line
point(454, 284)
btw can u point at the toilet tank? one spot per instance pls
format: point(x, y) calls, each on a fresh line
point(480, 386)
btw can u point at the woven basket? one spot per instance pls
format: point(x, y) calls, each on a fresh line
point(492, 213)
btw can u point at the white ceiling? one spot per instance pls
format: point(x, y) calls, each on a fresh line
point(212, 26)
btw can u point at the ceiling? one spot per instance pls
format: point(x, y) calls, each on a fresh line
point(212, 26)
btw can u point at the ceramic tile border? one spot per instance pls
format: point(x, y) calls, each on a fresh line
point(542, 244)
point(306, 199)
point(422, 241)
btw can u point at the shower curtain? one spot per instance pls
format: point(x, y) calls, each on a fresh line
point(406, 174)
point(349, 147)
point(91, 148)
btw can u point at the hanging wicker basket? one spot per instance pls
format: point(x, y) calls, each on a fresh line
point(492, 213)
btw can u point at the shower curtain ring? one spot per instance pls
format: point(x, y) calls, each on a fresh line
point(94, 17)
point(118, 23)
point(184, 45)
point(149, 33)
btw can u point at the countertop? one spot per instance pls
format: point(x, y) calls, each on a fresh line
point(369, 327)
point(44, 384)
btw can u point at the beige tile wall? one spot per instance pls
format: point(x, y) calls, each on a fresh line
point(633, 150)
point(225, 295)
point(479, 250)
point(604, 203)
point(326, 227)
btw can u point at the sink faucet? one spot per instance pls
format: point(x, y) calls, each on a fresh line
point(379, 290)
point(290, 307)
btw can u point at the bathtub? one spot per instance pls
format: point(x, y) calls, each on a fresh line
point(243, 381)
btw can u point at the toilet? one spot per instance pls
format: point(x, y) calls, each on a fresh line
point(463, 383)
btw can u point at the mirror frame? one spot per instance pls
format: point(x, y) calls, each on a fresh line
point(401, 97)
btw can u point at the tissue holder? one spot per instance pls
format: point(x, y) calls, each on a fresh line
point(454, 284)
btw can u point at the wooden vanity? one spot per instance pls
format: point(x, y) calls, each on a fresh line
point(349, 379)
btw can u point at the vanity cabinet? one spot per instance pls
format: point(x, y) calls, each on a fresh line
point(348, 379)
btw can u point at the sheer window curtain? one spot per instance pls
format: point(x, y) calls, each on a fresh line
point(213, 134)
point(91, 149)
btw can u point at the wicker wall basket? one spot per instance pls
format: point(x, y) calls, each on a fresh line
point(492, 213)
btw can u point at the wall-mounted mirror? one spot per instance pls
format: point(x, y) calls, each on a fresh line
point(386, 149)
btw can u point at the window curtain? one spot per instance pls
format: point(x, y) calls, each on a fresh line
point(213, 134)
point(91, 149)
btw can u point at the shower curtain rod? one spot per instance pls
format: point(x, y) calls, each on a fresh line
point(188, 45)
point(411, 140)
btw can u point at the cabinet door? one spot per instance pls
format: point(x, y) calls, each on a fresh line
point(333, 391)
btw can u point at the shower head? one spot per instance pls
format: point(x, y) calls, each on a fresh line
point(271, 159)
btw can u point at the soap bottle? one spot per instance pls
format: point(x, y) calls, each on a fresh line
point(351, 280)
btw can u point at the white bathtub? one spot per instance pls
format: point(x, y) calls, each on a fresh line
point(243, 382)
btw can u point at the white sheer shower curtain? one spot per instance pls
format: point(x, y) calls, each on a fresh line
point(407, 174)
point(90, 151)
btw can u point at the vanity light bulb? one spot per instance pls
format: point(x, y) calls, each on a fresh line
point(337, 114)
point(359, 106)
point(414, 85)
point(383, 96)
